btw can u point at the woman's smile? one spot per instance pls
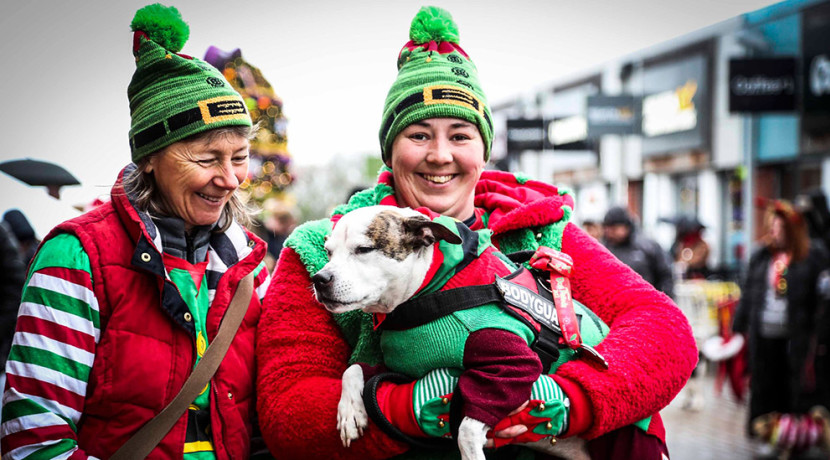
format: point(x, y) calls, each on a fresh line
point(438, 179)
point(212, 199)
point(197, 179)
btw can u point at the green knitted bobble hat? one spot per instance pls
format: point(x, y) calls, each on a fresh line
point(173, 96)
point(436, 78)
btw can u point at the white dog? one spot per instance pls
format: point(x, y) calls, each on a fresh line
point(378, 258)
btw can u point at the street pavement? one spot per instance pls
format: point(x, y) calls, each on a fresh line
point(715, 431)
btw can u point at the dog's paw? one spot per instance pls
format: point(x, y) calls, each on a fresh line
point(351, 421)
point(472, 435)
point(352, 418)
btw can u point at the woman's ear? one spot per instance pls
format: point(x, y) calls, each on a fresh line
point(150, 165)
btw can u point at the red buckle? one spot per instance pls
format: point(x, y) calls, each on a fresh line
point(552, 260)
point(560, 266)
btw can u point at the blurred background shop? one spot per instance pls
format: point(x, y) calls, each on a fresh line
point(674, 129)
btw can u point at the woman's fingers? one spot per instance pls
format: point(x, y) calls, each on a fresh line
point(509, 432)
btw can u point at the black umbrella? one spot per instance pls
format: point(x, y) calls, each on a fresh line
point(36, 172)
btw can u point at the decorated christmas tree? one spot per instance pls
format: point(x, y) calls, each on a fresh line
point(269, 173)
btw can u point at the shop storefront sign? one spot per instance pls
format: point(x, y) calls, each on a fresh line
point(568, 133)
point(670, 111)
point(612, 115)
point(676, 105)
point(763, 85)
point(524, 134)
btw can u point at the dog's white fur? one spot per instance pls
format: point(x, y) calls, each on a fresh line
point(351, 414)
point(359, 276)
point(369, 281)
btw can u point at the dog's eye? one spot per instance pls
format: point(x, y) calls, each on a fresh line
point(363, 249)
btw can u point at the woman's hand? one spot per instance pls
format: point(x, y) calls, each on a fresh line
point(533, 421)
point(510, 432)
point(521, 433)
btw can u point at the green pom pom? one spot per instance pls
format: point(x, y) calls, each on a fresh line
point(433, 24)
point(164, 25)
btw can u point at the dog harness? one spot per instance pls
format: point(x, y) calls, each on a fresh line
point(545, 307)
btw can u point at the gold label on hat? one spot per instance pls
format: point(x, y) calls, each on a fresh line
point(445, 94)
point(222, 108)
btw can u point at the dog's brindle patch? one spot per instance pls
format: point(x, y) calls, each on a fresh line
point(389, 236)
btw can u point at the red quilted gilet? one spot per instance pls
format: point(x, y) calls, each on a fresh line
point(145, 354)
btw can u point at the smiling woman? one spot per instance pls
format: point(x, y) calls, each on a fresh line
point(435, 136)
point(195, 179)
point(123, 302)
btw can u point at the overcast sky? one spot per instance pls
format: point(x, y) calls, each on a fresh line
point(66, 64)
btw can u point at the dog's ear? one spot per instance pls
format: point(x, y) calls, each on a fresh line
point(426, 232)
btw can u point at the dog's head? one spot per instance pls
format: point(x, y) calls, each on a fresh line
point(378, 258)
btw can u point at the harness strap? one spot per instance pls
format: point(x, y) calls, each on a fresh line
point(427, 308)
point(430, 307)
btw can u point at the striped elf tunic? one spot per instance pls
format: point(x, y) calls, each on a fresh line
point(58, 329)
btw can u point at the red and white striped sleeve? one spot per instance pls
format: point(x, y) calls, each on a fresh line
point(58, 328)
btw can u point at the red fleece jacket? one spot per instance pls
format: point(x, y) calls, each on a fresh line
point(301, 353)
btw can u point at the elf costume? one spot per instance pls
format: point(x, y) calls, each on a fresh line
point(415, 344)
point(302, 350)
point(120, 305)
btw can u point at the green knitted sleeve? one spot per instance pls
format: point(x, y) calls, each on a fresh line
point(308, 242)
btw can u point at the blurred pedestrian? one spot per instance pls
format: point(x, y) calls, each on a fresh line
point(593, 228)
point(689, 250)
point(126, 300)
point(642, 254)
point(813, 206)
point(784, 290)
point(12, 277)
point(23, 231)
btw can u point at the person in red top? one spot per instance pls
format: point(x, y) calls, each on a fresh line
point(436, 134)
point(785, 292)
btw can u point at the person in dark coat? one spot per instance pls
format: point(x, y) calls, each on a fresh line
point(12, 277)
point(642, 254)
point(24, 233)
point(784, 292)
point(813, 205)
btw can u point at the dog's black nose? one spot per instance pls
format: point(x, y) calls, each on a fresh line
point(322, 278)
